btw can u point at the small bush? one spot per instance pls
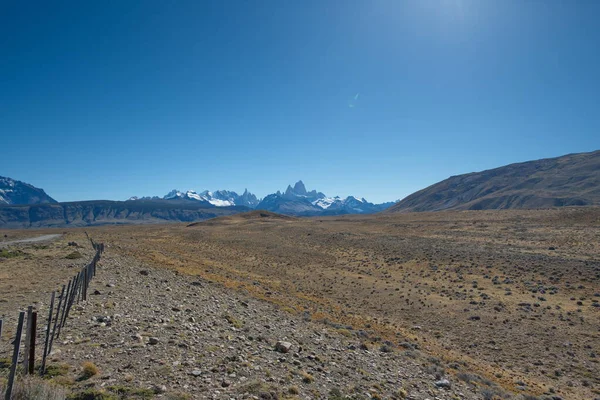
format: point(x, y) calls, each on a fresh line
point(5, 363)
point(11, 254)
point(335, 394)
point(293, 390)
point(306, 377)
point(88, 369)
point(74, 255)
point(127, 392)
point(92, 394)
point(400, 394)
point(233, 321)
point(54, 370)
point(178, 396)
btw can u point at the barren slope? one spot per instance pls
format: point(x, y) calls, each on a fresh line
point(571, 180)
point(511, 295)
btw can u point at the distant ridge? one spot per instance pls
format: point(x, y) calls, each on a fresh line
point(570, 180)
point(105, 212)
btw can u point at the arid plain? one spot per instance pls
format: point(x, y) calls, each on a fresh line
point(510, 297)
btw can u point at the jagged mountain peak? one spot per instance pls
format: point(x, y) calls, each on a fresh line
point(300, 188)
point(296, 200)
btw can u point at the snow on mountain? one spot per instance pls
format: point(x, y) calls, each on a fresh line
point(296, 200)
point(219, 198)
point(17, 192)
point(325, 202)
point(174, 194)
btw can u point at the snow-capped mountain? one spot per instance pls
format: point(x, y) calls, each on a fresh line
point(295, 200)
point(298, 201)
point(17, 192)
point(219, 198)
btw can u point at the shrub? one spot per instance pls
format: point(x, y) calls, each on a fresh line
point(54, 370)
point(92, 394)
point(74, 255)
point(293, 390)
point(306, 377)
point(88, 369)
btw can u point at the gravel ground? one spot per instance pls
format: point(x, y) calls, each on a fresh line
point(155, 329)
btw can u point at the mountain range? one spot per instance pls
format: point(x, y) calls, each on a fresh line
point(295, 200)
point(220, 198)
point(17, 192)
point(106, 212)
point(570, 180)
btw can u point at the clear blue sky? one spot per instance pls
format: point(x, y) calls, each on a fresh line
point(108, 99)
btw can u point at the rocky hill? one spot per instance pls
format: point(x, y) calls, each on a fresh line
point(570, 180)
point(103, 212)
point(17, 192)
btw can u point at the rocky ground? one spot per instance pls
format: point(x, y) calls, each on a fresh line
point(485, 305)
point(155, 329)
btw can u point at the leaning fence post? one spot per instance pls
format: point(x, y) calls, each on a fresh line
point(32, 338)
point(64, 306)
point(85, 285)
point(56, 318)
point(27, 339)
point(78, 292)
point(73, 297)
point(47, 342)
point(15, 359)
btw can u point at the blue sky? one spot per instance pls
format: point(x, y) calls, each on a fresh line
point(105, 100)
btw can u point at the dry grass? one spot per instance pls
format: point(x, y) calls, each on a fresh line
point(28, 388)
point(88, 369)
point(454, 282)
point(507, 296)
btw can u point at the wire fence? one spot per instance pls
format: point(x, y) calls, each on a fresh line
point(27, 351)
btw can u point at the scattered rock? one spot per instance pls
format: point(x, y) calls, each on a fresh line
point(443, 383)
point(283, 347)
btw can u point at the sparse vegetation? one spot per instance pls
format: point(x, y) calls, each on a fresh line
point(370, 284)
point(6, 253)
point(233, 321)
point(34, 388)
point(306, 377)
point(54, 370)
point(88, 369)
point(74, 255)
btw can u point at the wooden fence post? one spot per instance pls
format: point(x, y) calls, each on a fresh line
point(64, 307)
point(71, 298)
point(32, 338)
point(15, 359)
point(27, 339)
point(85, 285)
point(74, 293)
point(79, 282)
point(56, 318)
point(47, 342)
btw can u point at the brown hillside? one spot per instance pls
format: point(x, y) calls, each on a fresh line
point(571, 180)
